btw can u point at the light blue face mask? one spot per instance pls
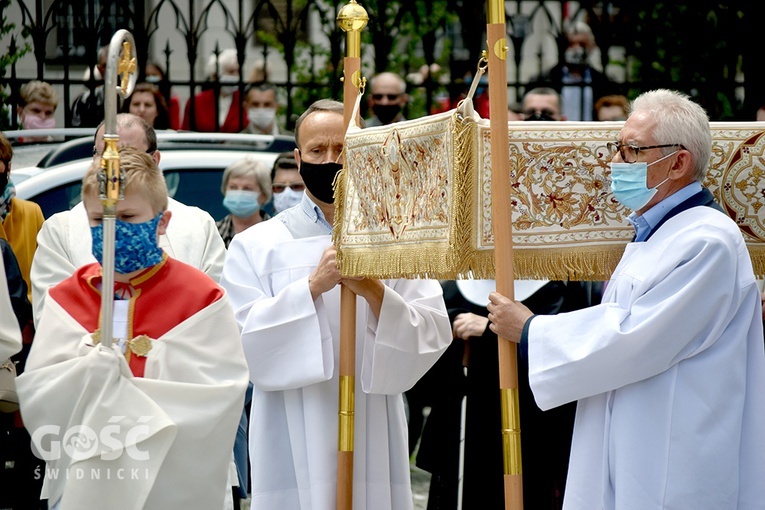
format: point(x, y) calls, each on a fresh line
point(286, 199)
point(242, 203)
point(628, 183)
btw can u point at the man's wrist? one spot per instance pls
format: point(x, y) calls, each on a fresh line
point(525, 330)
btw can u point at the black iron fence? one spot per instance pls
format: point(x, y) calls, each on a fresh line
point(703, 48)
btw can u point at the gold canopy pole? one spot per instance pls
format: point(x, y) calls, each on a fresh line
point(352, 19)
point(118, 62)
point(501, 210)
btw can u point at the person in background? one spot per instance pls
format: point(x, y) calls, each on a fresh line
point(155, 74)
point(147, 102)
point(222, 102)
point(574, 77)
point(286, 183)
point(542, 103)
point(612, 108)
point(88, 107)
point(258, 73)
point(20, 220)
point(37, 107)
point(514, 111)
point(545, 435)
point(246, 186)
point(16, 456)
point(261, 106)
point(387, 99)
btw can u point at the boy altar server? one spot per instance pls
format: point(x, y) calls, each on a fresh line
point(149, 423)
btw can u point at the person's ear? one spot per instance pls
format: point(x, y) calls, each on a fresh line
point(164, 221)
point(156, 157)
point(297, 157)
point(682, 166)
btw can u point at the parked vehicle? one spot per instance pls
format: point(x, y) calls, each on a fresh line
point(193, 165)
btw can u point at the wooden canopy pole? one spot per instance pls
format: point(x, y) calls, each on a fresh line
point(352, 19)
point(501, 210)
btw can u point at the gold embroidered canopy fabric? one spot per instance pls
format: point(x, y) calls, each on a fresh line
point(414, 198)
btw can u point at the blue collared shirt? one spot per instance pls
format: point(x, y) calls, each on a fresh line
point(305, 219)
point(645, 223)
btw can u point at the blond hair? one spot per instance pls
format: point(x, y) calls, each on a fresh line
point(38, 92)
point(142, 176)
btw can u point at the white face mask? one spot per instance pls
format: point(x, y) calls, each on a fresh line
point(228, 84)
point(286, 199)
point(261, 118)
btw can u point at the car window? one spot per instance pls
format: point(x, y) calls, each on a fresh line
point(60, 198)
point(199, 187)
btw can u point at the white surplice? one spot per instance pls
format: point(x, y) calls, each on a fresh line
point(291, 345)
point(64, 244)
point(669, 374)
point(10, 333)
point(176, 424)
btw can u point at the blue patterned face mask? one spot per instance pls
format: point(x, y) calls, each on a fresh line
point(135, 245)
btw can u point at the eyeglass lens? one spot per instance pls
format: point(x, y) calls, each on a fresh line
point(390, 97)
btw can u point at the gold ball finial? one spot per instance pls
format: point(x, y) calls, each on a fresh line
point(352, 17)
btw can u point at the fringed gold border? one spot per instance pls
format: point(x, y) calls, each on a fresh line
point(588, 263)
point(757, 254)
point(448, 259)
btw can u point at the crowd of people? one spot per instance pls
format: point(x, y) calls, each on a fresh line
point(640, 392)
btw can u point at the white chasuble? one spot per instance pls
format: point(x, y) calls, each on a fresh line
point(162, 441)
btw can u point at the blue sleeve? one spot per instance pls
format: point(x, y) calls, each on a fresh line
point(524, 343)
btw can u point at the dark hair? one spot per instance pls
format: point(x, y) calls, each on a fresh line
point(284, 161)
point(162, 121)
point(6, 151)
point(261, 87)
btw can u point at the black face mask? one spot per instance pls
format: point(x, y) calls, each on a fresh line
point(3, 182)
point(318, 179)
point(386, 112)
point(539, 116)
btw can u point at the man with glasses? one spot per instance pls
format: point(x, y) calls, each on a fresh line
point(542, 103)
point(668, 371)
point(387, 99)
point(286, 183)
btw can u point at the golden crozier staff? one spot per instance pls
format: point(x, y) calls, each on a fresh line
point(118, 62)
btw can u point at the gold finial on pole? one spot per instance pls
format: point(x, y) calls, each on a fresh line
point(110, 179)
point(352, 19)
